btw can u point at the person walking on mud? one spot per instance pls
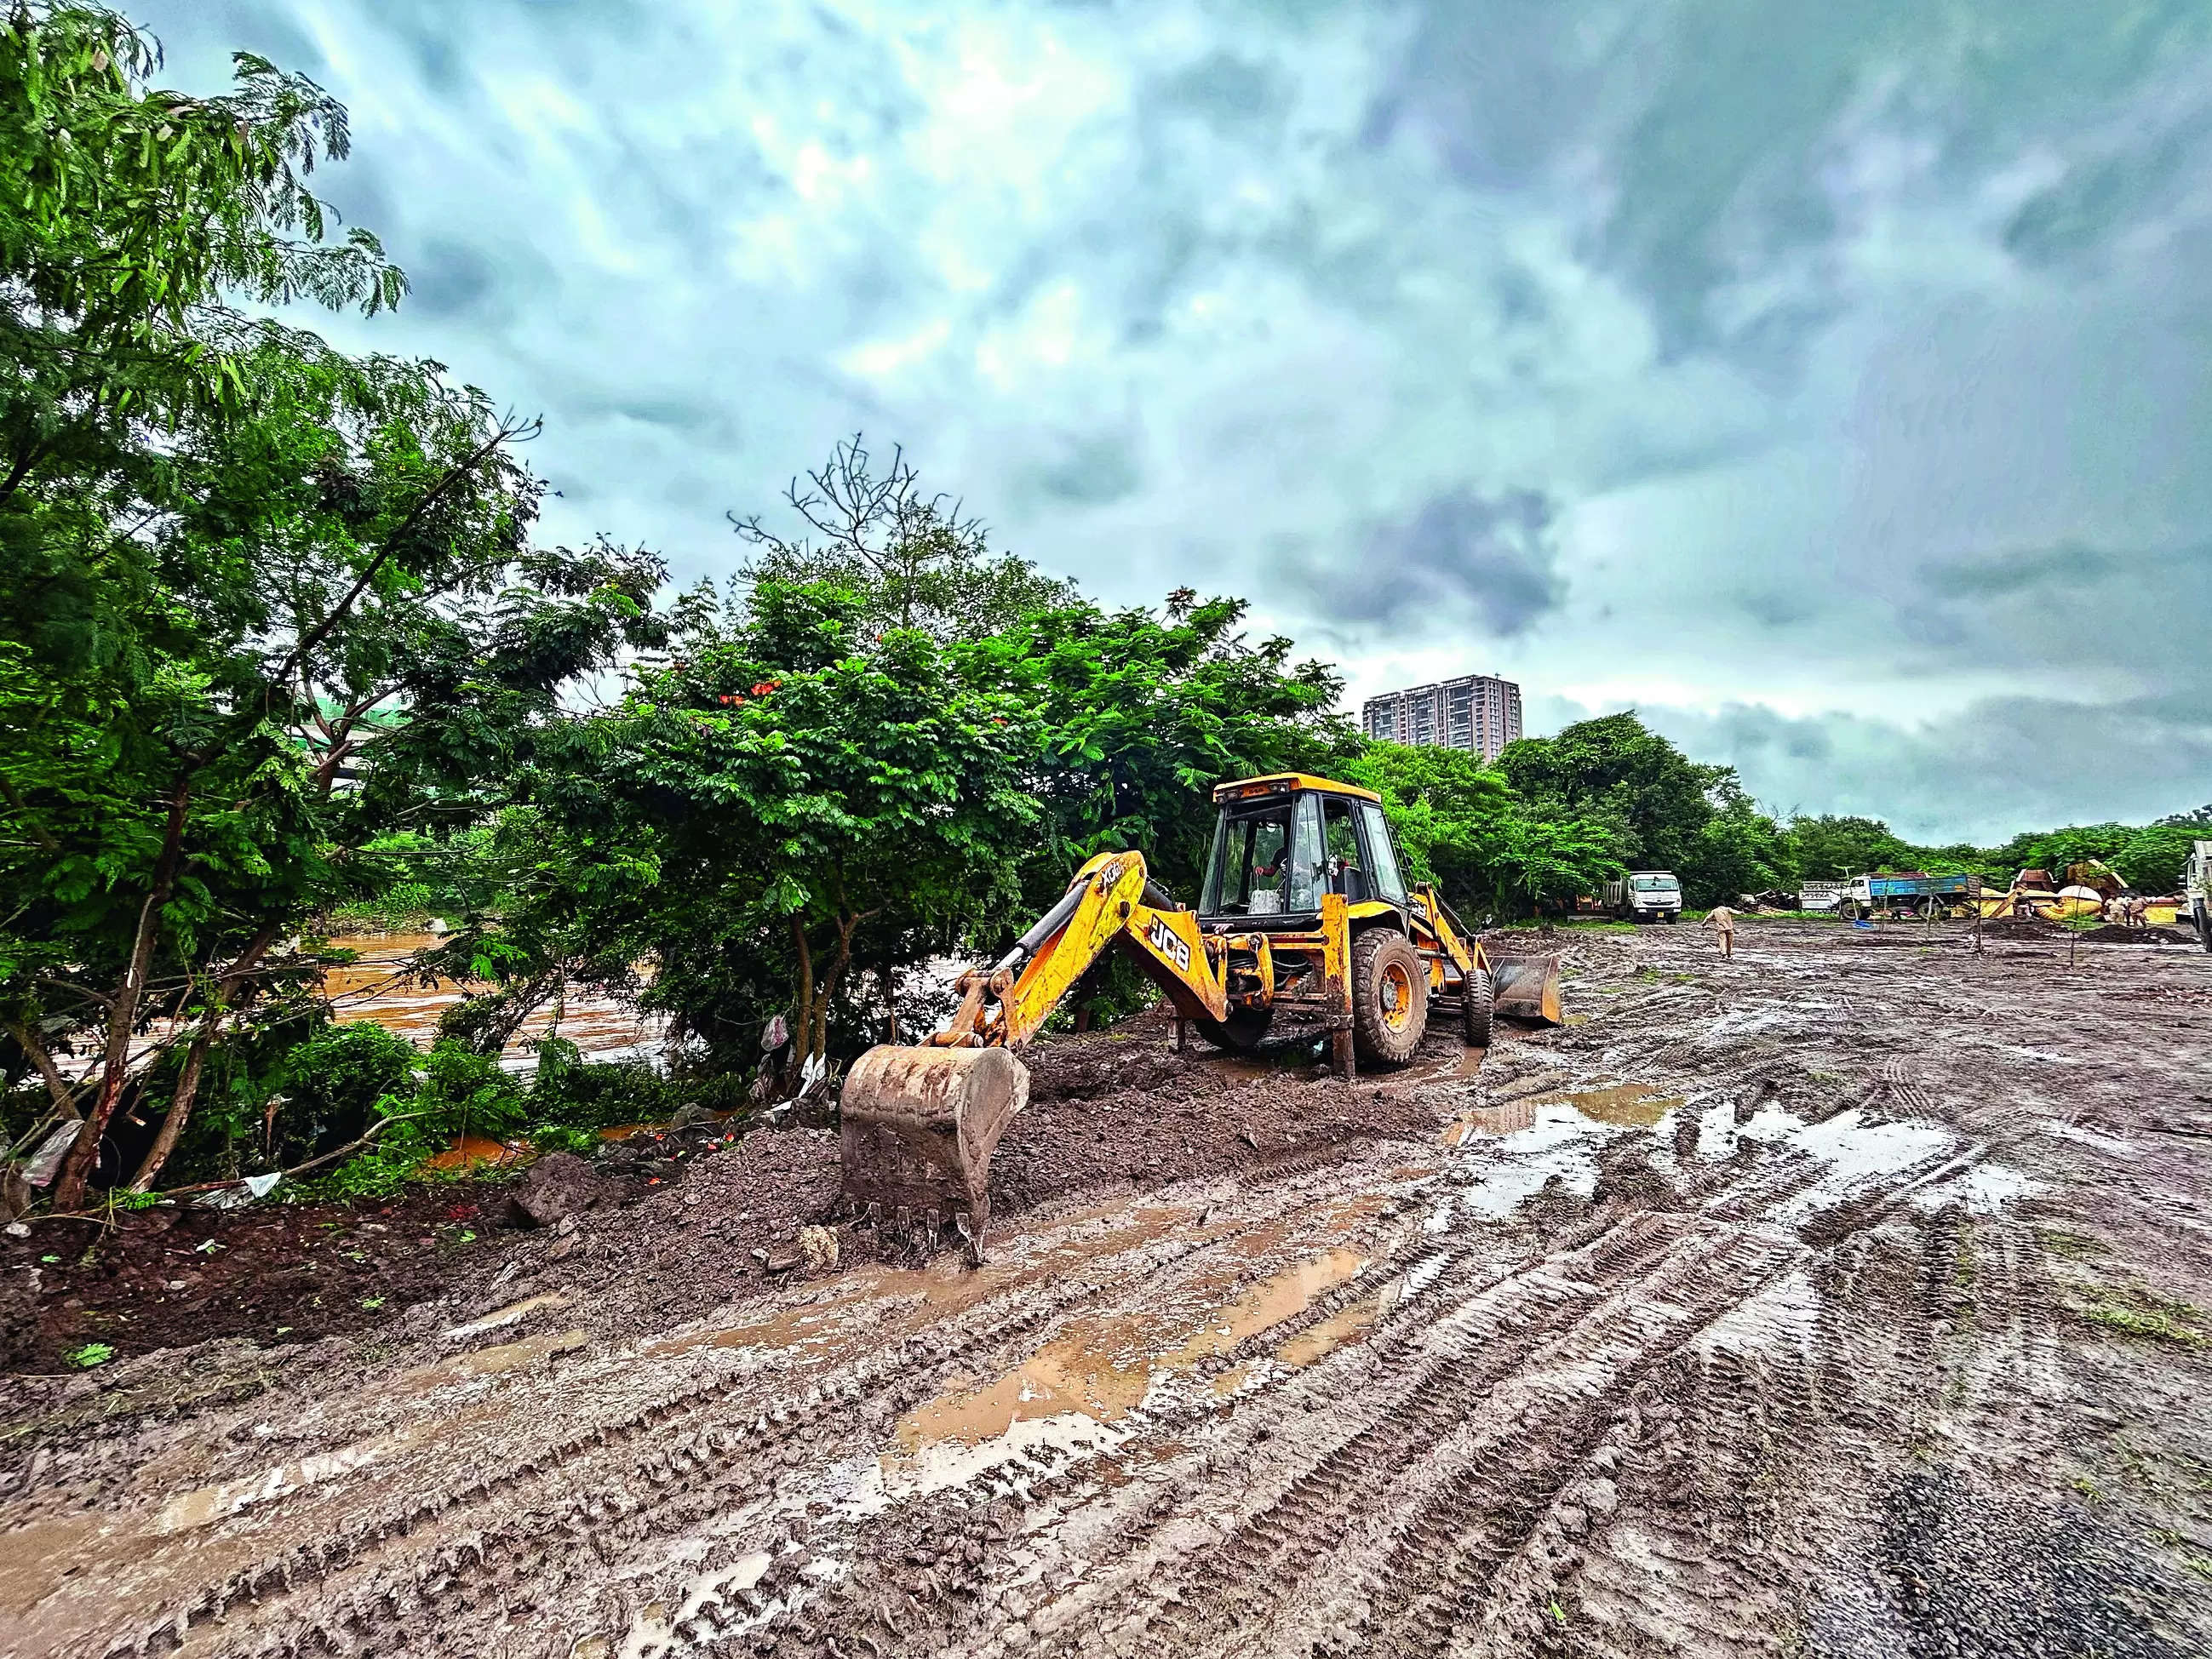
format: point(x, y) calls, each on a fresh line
point(1721, 921)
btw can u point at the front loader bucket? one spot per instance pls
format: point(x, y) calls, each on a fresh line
point(919, 1125)
point(1528, 988)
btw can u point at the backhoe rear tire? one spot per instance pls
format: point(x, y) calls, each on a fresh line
point(1389, 997)
point(1478, 995)
point(1241, 1033)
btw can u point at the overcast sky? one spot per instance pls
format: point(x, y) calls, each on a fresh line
point(1830, 383)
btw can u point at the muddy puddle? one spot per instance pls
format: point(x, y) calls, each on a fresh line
point(1084, 1390)
point(1629, 1105)
point(1103, 1370)
point(1549, 1136)
point(375, 987)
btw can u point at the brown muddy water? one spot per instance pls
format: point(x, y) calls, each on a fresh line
point(379, 987)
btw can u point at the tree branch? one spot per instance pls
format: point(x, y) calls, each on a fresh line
point(321, 631)
point(64, 1098)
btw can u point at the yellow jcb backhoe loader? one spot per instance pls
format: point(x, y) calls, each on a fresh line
point(1303, 911)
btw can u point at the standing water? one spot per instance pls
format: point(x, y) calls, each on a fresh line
point(378, 987)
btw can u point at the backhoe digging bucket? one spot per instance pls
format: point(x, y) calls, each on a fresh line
point(1528, 988)
point(919, 1125)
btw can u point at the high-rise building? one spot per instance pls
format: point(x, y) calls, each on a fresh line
point(1478, 713)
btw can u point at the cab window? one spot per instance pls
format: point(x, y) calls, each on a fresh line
point(1382, 857)
point(1247, 875)
point(1348, 870)
point(1265, 860)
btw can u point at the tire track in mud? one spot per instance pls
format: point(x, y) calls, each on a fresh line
point(1490, 1535)
point(1587, 1427)
point(1493, 1487)
point(1812, 1383)
point(1414, 1394)
point(615, 1482)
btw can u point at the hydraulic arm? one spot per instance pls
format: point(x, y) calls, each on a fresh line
point(919, 1124)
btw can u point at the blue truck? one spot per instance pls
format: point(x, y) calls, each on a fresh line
point(1912, 893)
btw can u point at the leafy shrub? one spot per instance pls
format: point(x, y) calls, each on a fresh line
point(466, 1093)
point(571, 1092)
point(335, 1079)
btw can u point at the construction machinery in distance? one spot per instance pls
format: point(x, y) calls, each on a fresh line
point(1304, 911)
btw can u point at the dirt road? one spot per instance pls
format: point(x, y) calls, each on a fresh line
point(1842, 1299)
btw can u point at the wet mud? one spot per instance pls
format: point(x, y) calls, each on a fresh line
point(1845, 1299)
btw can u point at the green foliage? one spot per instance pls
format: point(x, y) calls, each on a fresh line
point(1617, 772)
point(237, 569)
point(570, 1092)
point(811, 795)
point(1832, 848)
point(2054, 849)
point(560, 1138)
point(2151, 860)
point(90, 1354)
point(1135, 715)
point(127, 216)
point(745, 811)
point(1663, 810)
point(385, 1169)
point(462, 1093)
point(912, 560)
point(1461, 825)
point(1738, 850)
point(335, 1080)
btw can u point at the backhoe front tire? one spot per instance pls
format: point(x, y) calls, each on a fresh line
point(1389, 997)
point(1478, 995)
point(1241, 1033)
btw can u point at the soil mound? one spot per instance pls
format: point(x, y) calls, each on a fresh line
point(2111, 933)
point(2021, 927)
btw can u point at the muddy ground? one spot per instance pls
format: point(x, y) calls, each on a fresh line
point(1843, 1299)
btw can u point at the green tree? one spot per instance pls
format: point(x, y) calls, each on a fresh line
point(1738, 850)
point(2054, 849)
point(1458, 824)
point(915, 560)
point(1615, 770)
point(1140, 713)
point(259, 602)
point(787, 780)
point(1828, 847)
point(2151, 860)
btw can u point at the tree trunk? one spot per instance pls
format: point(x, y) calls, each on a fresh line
point(64, 1098)
point(188, 1078)
point(123, 1015)
point(817, 1040)
point(180, 1105)
point(802, 1012)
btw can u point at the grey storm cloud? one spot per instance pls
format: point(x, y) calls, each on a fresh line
point(1978, 775)
point(1489, 559)
point(1836, 373)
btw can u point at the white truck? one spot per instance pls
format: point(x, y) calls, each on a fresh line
point(1822, 895)
point(2196, 892)
point(1645, 895)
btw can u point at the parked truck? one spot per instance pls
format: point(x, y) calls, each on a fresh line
point(1645, 895)
point(1912, 894)
point(1822, 895)
point(2195, 907)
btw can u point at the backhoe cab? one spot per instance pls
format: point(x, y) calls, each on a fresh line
point(1305, 916)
